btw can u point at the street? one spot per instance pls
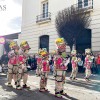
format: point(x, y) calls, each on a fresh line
point(76, 90)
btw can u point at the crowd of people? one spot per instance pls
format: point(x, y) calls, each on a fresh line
point(19, 63)
point(95, 68)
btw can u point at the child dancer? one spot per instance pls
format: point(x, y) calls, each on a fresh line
point(45, 70)
point(87, 64)
point(74, 62)
point(13, 64)
point(60, 68)
point(39, 65)
point(24, 49)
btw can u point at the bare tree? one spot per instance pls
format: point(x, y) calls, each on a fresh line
point(71, 22)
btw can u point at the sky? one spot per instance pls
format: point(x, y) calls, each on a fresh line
point(10, 19)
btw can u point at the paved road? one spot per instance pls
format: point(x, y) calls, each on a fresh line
point(76, 90)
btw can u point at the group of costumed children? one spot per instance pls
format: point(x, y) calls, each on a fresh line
point(60, 67)
point(87, 64)
point(17, 66)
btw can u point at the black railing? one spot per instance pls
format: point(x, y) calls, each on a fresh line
point(43, 17)
point(86, 5)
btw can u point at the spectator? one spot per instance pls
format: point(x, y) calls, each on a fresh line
point(51, 63)
point(80, 65)
point(83, 59)
point(4, 61)
point(69, 64)
point(29, 62)
point(93, 69)
point(98, 63)
point(34, 63)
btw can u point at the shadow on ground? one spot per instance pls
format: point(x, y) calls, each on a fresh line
point(11, 93)
point(91, 85)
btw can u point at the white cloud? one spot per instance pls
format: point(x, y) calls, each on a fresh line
point(10, 17)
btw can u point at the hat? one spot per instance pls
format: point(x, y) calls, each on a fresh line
point(73, 52)
point(24, 45)
point(13, 45)
point(43, 52)
point(61, 45)
point(59, 40)
point(87, 51)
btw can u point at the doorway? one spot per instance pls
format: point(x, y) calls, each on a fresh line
point(44, 42)
point(84, 41)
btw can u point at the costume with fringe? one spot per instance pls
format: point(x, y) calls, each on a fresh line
point(88, 63)
point(23, 56)
point(39, 64)
point(13, 63)
point(45, 70)
point(60, 68)
point(74, 62)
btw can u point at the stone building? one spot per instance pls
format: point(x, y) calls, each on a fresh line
point(38, 23)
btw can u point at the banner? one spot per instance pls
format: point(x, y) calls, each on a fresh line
point(2, 40)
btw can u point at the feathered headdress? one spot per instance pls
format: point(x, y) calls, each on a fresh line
point(24, 45)
point(61, 45)
point(13, 45)
point(43, 52)
point(59, 40)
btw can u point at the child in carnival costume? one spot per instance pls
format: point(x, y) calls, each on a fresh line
point(88, 64)
point(23, 61)
point(39, 63)
point(45, 70)
point(74, 62)
point(13, 63)
point(60, 68)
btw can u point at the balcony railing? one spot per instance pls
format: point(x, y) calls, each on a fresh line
point(86, 5)
point(43, 17)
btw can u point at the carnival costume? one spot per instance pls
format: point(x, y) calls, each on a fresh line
point(88, 63)
point(13, 63)
point(45, 70)
point(74, 62)
point(23, 56)
point(60, 68)
point(39, 64)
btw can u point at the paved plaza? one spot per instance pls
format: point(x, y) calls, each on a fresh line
point(76, 90)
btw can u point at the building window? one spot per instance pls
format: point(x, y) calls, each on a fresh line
point(45, 9)
point(85, 3)
point(45, 15)
point(79, 3)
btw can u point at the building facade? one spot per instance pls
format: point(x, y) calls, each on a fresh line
point(38, 22)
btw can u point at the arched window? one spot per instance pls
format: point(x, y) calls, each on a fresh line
point(44, 42)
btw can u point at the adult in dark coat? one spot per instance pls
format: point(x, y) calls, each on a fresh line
point(4, 61)
point(34, 63)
